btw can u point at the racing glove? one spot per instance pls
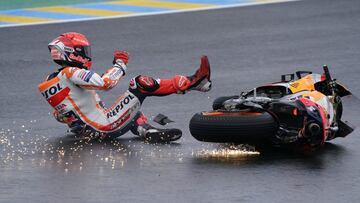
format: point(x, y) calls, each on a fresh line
point(63, 118)
point(120, 60)
point(122, 55)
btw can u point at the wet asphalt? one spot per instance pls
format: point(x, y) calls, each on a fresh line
point(247, 46)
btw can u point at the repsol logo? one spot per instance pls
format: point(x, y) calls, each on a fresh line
point(52, 91)
point(120, 106)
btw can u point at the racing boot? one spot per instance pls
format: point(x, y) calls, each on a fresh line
point(152, 134)
point(142, 128)
point(200, 81)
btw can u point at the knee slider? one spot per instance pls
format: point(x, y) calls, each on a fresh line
point(144, 83)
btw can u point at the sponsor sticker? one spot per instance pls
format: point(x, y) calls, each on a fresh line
point(120, 106)
point(52, 91)
point(86, 75)
point(60, 108)
point(125, 117)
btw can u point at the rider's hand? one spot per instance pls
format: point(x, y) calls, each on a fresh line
point(58, 116)
point(122, 55)
point(63, 118)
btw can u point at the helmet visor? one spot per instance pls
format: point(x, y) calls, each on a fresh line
point(87, 52)
point(83, 51)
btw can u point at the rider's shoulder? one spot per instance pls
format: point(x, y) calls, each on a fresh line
point(69, 71)
point(52, 75)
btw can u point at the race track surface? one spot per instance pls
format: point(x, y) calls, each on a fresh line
point(247, 46)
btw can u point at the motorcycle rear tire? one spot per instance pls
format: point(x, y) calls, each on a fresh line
point(233, 127)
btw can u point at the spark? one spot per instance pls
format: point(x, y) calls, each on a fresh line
point(228, 152)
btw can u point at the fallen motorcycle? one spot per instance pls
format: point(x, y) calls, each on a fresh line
point(301, 113)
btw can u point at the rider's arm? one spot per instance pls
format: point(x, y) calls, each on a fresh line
point(91, 80)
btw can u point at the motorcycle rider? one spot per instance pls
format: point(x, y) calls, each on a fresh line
point(71, 92)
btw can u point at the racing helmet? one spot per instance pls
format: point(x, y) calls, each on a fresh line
point(71, 49)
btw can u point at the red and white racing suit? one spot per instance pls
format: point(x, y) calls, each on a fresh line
point(71, 92)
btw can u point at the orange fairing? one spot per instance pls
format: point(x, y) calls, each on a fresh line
point(242, 113)
point(315, 95)
point(305, 83)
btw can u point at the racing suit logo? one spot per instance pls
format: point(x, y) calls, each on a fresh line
point(120, 106)
point(52, 91)
point(55, 93)
point(182, 81)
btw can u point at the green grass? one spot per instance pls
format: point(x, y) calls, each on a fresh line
point(18, 4)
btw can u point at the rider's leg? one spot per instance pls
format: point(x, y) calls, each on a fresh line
point(143, 86)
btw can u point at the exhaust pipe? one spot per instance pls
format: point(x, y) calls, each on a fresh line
point(314, 129)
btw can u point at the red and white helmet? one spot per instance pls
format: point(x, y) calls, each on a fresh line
point(71, 49)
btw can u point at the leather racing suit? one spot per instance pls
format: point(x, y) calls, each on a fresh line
point(71, 92)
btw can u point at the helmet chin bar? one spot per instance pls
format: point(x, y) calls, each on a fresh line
point(84, 62)
point(65, 64)
point(71, 60)
point(88, 65)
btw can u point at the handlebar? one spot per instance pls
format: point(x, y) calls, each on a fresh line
point(331, 82)
point(327, 74)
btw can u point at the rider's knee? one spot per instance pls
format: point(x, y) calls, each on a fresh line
point(144, 83)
